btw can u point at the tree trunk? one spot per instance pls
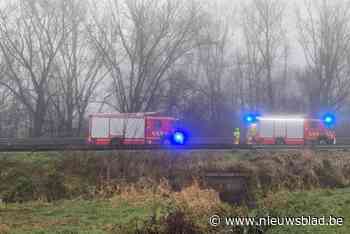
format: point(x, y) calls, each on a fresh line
point(39, 118)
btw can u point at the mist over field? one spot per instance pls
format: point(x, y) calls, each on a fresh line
point(206, 63)
point(202, 61)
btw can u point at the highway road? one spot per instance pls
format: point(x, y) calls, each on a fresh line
point(79, 144)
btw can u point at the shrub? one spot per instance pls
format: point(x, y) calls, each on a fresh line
point(176, 222)
point(21, 191)
point(54, 187)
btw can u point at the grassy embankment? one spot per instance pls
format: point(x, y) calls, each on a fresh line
point(108, 193)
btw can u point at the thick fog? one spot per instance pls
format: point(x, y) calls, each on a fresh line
point(201, 61)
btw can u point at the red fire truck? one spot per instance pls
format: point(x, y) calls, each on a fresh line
point(129, 128)
point(289, 130)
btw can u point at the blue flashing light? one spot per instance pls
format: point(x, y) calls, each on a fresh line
point(329, 119)
point(179, 138)
point(250, 118)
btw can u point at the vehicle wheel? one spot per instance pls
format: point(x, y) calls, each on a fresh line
point(166, 141)
point(280, 141)
point(116, 141)
point(323, 141)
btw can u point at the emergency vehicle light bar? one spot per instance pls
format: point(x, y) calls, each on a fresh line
point(281, 119)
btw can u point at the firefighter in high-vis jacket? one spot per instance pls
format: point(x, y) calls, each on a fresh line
point(236, 135)
point(251, 134)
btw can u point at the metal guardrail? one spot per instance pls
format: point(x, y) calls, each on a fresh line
point(79, 144)
point(63, 147)
point(33, 148)
point(43, 141)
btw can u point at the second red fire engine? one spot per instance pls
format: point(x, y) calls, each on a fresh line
point(289, 130)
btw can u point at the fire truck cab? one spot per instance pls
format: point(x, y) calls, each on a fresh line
point(289, 130)
point(129, 128)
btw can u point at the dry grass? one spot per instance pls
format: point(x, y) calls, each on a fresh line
point(300, 170)
point(104, 175)
point(4, 229)
point(193, 197)
point(271, 201)
point(133, 181)
point(203, 201)
point(267, 171)
point(145, 190)
point(186, 210)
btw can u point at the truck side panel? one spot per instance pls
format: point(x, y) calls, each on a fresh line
point(266, 132)
point(117, 127)
point(135, 128)
point(266, 129)
point(280, 128)
point(292, 131)
point(128, 127)
point(295, 129)
point(100, 127)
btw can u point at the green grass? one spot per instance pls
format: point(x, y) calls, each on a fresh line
point(314, 203)
point(71, 216)
point(103, 216)
point(78, 172)
point(34, 157)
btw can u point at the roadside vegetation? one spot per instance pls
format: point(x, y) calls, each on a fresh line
point(113, 192)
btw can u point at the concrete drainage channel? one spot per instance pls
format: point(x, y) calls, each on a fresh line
point(232, 187)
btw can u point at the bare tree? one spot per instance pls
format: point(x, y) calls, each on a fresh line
point(324, 30)
point(213, 61)
point(264, 43)
point(140, 40)
point(30, 38)
point(77, 70)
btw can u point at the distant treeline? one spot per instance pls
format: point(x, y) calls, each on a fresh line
point(199, 60)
